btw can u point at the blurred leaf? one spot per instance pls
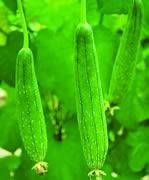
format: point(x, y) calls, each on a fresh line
point(4, 173)
point(93, 14)
point(106, 41)
point(115, 22)
point(9, 127)
point(3, 39)
point(118, 158)
point(4, 14)
point(114, 6)
point(54, 13)
point(55, 61)
point(11, 163)
point(146, 14)
point(11, 4)
point(139, 156)
point(8, 56)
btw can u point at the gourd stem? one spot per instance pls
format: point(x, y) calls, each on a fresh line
point(24, 26)
point(83, 11)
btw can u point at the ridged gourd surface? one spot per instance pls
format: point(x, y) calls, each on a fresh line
point(29, 107)
point(125, 63)
point(89, 99)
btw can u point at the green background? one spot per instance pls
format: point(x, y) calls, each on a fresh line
point(52, 27)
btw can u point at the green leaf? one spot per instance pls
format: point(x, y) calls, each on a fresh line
point(139, 157)
point(106, 41)
point(11, 5)
point(54, 14)
point(114, 6)
point(8, 59)
point(55, 63)
point(136, 163)
point(9, 127)
point(11, 163)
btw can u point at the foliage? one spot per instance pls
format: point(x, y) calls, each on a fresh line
point(52, 27)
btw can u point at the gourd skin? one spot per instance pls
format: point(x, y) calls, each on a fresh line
point(125, 63)
point(89, 99)
point(29, 107)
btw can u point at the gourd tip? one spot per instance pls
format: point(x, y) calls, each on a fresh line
point(96, 173)
point(40, 168)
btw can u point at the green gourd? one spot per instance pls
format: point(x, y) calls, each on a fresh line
point(125, 63)
point(89, 98)
point(29, 107)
